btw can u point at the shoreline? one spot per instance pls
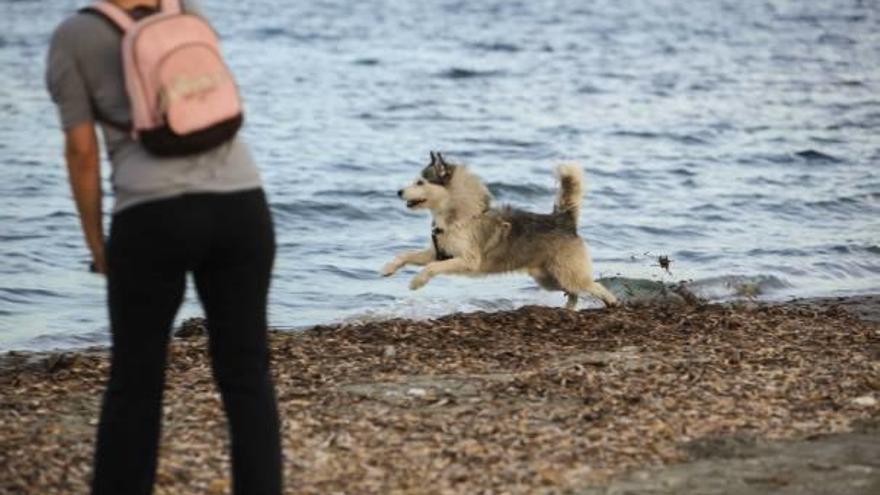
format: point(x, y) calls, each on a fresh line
point(863, 306)
point(533, 400)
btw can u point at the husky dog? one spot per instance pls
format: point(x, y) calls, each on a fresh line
point(470, 237)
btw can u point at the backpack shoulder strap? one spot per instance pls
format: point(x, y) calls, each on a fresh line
point(113, 13)
point(170, 6)
point(120, 20)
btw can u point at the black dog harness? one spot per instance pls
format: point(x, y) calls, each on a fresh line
point(441, 254)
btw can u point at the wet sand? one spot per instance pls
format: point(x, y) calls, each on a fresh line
point(749, 398)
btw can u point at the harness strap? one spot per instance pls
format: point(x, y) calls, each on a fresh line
point(438, 251)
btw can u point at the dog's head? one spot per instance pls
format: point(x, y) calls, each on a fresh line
point(431, 189)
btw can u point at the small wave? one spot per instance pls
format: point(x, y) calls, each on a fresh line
point(589, 89)
point(461, 73)
point(827, 140)
point(54, 215)
point(835, 39)
point(841, 269)
point(636, 134)
point(315, 210)
point(369, 62)
point(355, 193)
point(270, 32)
point(610, 192)
point(626, 173)
point(351, 167)
point(496, 47)
point(21, 237)
point(717, 217)
point(688, 139)
point(561, 130)
point(841, 204)
point(861, 105)
point(22, 41)
point(783, 252)
point(703, 86)
point(54, 341)
point(26, 296)
point(617, 75)
point(503, 190)
point(704, 207)
point(504, 142)
point(635, 290)
point(871, 121)
point(696, 256)
point(349, 273)
point(413, 105)
point(850, 249)
point(671, 231)
point(735, 286)
point(811, 155)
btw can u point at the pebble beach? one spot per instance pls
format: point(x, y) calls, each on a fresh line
point(534, 400)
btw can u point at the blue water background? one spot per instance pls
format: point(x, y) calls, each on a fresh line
point(739, 138)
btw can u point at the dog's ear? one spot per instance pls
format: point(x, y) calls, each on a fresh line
point(442, 161)
point(441, 168)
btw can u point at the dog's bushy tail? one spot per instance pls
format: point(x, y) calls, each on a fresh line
point(571, 191)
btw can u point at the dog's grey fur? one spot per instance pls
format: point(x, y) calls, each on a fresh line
point(481, 239)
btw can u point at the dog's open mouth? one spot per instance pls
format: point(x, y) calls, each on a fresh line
point(414, 202)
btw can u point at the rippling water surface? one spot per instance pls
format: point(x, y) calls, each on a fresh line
point(740, 138)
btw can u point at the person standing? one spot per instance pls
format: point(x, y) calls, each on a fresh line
point(202, 212)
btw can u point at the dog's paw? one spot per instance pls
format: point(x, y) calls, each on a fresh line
point(419, 281)
point(390, 269)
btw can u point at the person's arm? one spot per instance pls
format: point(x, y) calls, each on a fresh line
point(84, 170)
point(69, 91)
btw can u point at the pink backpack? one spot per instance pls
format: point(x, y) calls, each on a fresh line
point(183, 97)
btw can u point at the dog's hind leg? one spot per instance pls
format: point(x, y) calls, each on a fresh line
point(576, 279)
point(544, 279)
point(419, 258)
point(548, 281)
point(598, 290)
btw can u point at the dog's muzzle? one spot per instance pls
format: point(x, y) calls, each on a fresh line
point(410, 203)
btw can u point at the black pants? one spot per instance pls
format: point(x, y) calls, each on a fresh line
point(227, 242)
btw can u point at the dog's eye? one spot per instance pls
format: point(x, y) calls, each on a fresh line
point(420, 183)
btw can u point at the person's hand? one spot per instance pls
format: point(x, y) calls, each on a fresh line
point(99, 262)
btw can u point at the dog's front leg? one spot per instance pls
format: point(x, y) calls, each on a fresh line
point(452, 265)
point(419, 258)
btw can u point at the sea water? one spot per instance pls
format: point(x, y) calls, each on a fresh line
point(737, 138)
